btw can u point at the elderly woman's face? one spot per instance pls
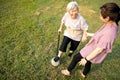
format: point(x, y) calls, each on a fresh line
point(73, 13)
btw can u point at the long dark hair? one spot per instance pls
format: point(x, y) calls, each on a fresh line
point(112, 10)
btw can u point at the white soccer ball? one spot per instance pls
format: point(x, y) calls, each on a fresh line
point(55, 63)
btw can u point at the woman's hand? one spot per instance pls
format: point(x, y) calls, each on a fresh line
point(59, 31)
point(84, 38)
point(83, 62)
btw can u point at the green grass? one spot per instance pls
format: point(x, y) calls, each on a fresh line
point(29, 41)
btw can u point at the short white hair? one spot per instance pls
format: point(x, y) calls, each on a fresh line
point(72, 5)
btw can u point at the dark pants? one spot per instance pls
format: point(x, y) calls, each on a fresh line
point(66, 40)
point(75, 60)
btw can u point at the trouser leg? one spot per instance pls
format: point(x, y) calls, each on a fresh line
point(62, 48)
point(87, 68)
point(64, 44)
point(74, 45)
point(74, 61)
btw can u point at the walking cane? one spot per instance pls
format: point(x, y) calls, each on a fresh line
point(58, 43)
point(53, 62)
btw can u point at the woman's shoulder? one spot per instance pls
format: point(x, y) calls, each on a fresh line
point(66, 14)
point(112, 28)
point(80, 17)
point(111, 31)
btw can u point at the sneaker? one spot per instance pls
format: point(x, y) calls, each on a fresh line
point(56, 59)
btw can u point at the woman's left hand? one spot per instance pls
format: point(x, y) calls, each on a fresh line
point(84, 38)
point(83, 62)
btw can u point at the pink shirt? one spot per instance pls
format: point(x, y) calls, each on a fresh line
point(103, 38)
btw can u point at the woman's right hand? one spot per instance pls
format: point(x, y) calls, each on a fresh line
point(59, 31)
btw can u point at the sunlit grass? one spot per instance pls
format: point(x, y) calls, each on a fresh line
point(28, 40)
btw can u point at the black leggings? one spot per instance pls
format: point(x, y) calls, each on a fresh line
point(75, 60)
point(66, 40)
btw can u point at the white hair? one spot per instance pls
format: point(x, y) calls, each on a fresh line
point(72, 5)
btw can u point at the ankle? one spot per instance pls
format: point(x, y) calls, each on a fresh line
point(60, 53)
point(70, 53)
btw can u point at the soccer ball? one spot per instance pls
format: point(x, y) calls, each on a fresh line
point(55, 63)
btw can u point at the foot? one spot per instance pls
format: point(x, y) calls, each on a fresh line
point(82, 75)
point(56, 59)
point(65, 72)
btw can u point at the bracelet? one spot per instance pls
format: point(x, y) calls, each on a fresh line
point(86, 59)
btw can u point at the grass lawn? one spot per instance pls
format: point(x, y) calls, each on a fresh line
point(28, 40)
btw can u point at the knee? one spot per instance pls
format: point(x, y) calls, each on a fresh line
point(77, 57)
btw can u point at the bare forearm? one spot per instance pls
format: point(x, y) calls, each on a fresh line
point(60, 28)
point(96, 52)
point(84, 32)
point(90, 34)
point(61, 25)
point(84, 37)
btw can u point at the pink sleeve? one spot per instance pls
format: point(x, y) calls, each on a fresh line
point(105, 42)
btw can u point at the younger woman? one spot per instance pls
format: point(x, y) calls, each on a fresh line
point(101, 43)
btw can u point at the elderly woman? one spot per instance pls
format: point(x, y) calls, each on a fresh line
point(75, 31)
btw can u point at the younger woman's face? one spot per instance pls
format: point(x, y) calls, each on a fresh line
point(101, 17)
point(73, 13)
point(104, 19)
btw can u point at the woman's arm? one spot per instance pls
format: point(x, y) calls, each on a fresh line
point(60, 28)
point(90, 34)
point(92, 55)
point(96, 52)
point(84, 37)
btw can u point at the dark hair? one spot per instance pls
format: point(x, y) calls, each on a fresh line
point(112, 10)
